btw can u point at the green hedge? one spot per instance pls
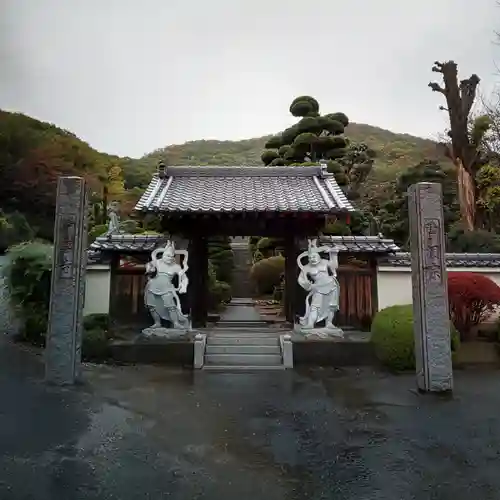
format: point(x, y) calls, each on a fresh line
point(266, 274)
point(221, 256)
point(28, 278)
point(28, 275)
point(95, 341)
point(393, 338)
point(219, 292)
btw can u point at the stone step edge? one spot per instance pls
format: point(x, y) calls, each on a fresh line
point(242, 368)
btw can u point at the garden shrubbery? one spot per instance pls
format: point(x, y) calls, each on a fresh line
point(28, 279)
point(28, 276)
point(219, 292)
point(14, 229)
point(266, 274)
point(393, 339)
point(221, 256)
point(473, 297)
point(95, 340)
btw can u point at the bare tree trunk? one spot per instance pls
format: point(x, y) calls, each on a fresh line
point(466, 196)
point(460, 96)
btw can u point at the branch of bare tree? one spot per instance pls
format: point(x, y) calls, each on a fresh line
point(436, 87)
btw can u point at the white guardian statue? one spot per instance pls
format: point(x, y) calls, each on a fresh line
point(161, 296)
point(319, 278)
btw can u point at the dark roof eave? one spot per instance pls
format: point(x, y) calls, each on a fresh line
point(333, 211)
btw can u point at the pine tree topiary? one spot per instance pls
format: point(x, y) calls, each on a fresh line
point(222, 257)
point(320, 138)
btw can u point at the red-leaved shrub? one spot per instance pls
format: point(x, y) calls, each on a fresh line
point(473, 297)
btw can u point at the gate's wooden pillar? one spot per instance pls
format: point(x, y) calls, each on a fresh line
point(291, 274)
point(198, 280)
point(113, 309)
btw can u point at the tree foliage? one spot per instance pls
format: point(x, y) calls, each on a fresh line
point(473, 297)
point(320, 138)
point(266, 274)
point(221, 256)
point(33, 154)
point(14, 229)
point(28, 280)
point(393, 214)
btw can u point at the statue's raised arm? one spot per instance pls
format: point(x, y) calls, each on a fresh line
point(182, 274)
point(333, 262)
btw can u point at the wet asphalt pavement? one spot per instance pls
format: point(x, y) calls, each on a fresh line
point(151, 433)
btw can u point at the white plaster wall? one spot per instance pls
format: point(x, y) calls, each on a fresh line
point(97, 287)
point(394, 283)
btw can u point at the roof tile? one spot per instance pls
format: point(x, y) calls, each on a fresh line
point(244, 189)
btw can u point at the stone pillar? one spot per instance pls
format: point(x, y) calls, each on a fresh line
point(64, 336)
point(430, 288)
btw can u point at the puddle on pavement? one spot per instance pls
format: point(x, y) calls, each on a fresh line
point(106, 426)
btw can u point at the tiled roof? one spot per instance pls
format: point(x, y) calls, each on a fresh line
point(103, 246)
point(97, 257)
point(244, 189)
point(403, 259)
point(369, 244)
point(126, 243)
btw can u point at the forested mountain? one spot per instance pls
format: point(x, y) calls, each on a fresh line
point(34, 153)
point(395, 153)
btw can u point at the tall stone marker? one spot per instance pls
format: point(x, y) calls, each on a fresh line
point(430, 288)
point(64, 337)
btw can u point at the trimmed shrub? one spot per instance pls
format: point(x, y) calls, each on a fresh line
point(96, 322)
point(96, 231)
point(219, 292)
point(14, 229)
point(95, 345)
point(393, 339)
point(472, 297)
point(266, 274)
point(28, 276)
point(460, 239)
point(130, 226)
point(221, 255)
point(95, 340)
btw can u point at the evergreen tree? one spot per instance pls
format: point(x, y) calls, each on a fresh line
point(320, 138)
point(221, 256)
point(394, 213)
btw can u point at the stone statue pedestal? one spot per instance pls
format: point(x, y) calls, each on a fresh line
point(319, 332)
point(165, 333)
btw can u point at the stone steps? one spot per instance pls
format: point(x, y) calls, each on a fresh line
point(240, 359)
point(240, 348)
point(229, 349)
point(240, 369)
point(247, 332)
point(239, 325)
point(244, 340)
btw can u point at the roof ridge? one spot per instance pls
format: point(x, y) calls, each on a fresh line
point(243, 171)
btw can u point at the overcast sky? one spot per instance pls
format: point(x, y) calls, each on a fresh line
point(130, 76)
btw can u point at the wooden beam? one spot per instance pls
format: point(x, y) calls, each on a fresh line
point(244, 224)
point(374, 269)
point(113, 289)
point(291, 274)
point(198, 281)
